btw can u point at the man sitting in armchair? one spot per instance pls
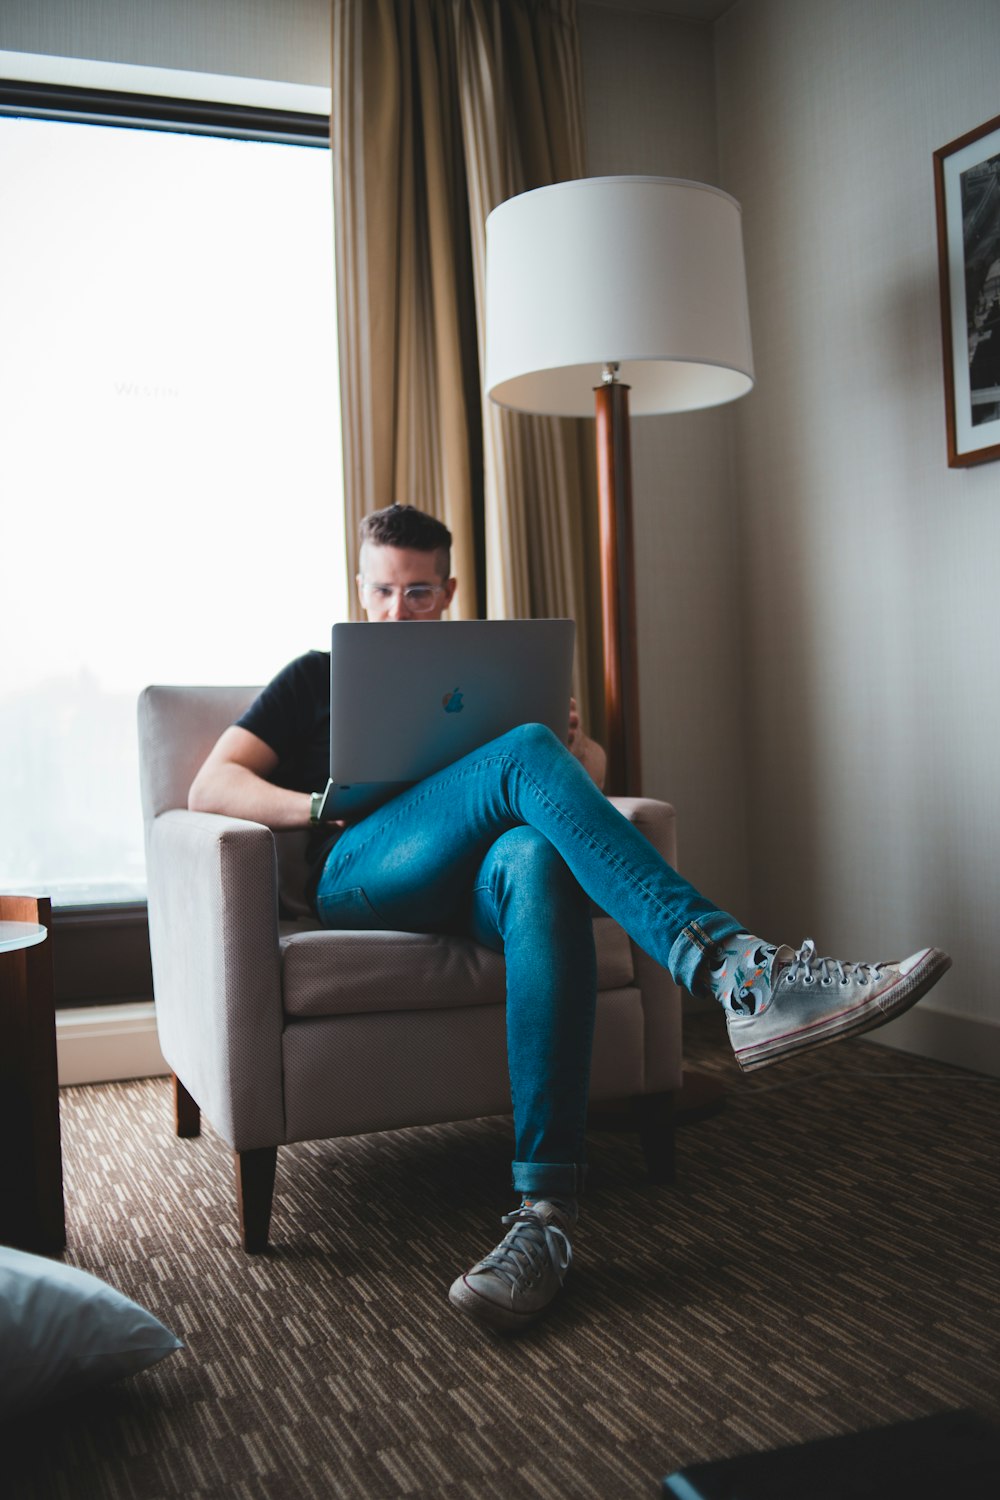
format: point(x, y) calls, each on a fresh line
point(510, 845)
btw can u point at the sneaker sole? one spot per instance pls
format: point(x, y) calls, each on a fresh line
point(883, 1007)
point(491, 1314)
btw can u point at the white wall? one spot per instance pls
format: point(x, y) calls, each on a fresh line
point(871, 603)
point(823, 634)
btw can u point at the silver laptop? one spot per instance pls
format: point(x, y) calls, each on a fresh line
point(407, 698)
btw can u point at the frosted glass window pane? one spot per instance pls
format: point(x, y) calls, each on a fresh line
point(170, 465)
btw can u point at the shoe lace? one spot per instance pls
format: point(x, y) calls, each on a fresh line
point(807, 966)
point(524, 1251)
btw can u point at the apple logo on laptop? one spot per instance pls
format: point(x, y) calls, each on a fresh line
point(452, 702)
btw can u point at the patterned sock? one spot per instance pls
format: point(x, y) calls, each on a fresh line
point(738, 973)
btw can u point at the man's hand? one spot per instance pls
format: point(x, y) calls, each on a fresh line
point(587, 751)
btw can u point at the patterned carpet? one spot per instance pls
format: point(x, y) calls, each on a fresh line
point(827, 1261)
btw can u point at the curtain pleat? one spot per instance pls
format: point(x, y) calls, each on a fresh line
point(441, 110)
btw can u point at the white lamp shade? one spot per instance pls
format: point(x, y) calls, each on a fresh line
point(645, 272)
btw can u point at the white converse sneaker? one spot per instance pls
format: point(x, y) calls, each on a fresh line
point(802, 1001)
point(518, 1280)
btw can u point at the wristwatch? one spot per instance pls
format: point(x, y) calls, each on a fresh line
point(316, 806)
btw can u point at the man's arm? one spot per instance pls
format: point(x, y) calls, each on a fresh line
point(588, 752)
point(233, 781)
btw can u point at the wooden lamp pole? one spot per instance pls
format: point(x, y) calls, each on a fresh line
point(621, 665)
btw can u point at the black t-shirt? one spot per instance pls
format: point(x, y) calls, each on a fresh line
point(292, 715)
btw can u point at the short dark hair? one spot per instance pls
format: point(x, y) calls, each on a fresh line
point(406, 526)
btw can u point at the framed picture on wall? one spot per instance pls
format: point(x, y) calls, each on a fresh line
point(967, 190)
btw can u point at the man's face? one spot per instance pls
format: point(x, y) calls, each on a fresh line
point(387, 572)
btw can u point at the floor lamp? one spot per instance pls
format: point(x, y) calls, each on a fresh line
point(606, 295)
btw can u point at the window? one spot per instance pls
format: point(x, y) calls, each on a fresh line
point(169, 404)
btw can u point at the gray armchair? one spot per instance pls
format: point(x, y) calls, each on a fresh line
point(282, 1031)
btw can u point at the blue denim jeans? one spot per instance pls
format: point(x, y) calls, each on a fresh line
point(506, 845)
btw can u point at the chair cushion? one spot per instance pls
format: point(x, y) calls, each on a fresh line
point(347, 973)
point(347, 1075)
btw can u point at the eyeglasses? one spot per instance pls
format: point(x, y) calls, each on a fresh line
point(418, 597)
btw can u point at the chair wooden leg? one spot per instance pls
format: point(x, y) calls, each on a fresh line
point(655, 1118)
point(187, 1114)
point(254, 1193)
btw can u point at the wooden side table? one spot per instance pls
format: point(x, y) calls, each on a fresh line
point(32, 1215)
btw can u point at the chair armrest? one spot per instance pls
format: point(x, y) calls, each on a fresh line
point(657, 820)
point(661, 1000)
point(213, 929)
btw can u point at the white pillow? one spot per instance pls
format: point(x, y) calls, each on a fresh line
point(62, 1330)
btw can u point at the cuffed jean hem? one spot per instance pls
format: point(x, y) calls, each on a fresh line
point(542, 1179)
point(691, 945)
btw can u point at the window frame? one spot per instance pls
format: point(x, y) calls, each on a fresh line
point(140, 111)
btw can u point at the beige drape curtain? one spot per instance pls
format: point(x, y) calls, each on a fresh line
point(441, 110)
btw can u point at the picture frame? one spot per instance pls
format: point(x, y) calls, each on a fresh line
point(967, 196)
